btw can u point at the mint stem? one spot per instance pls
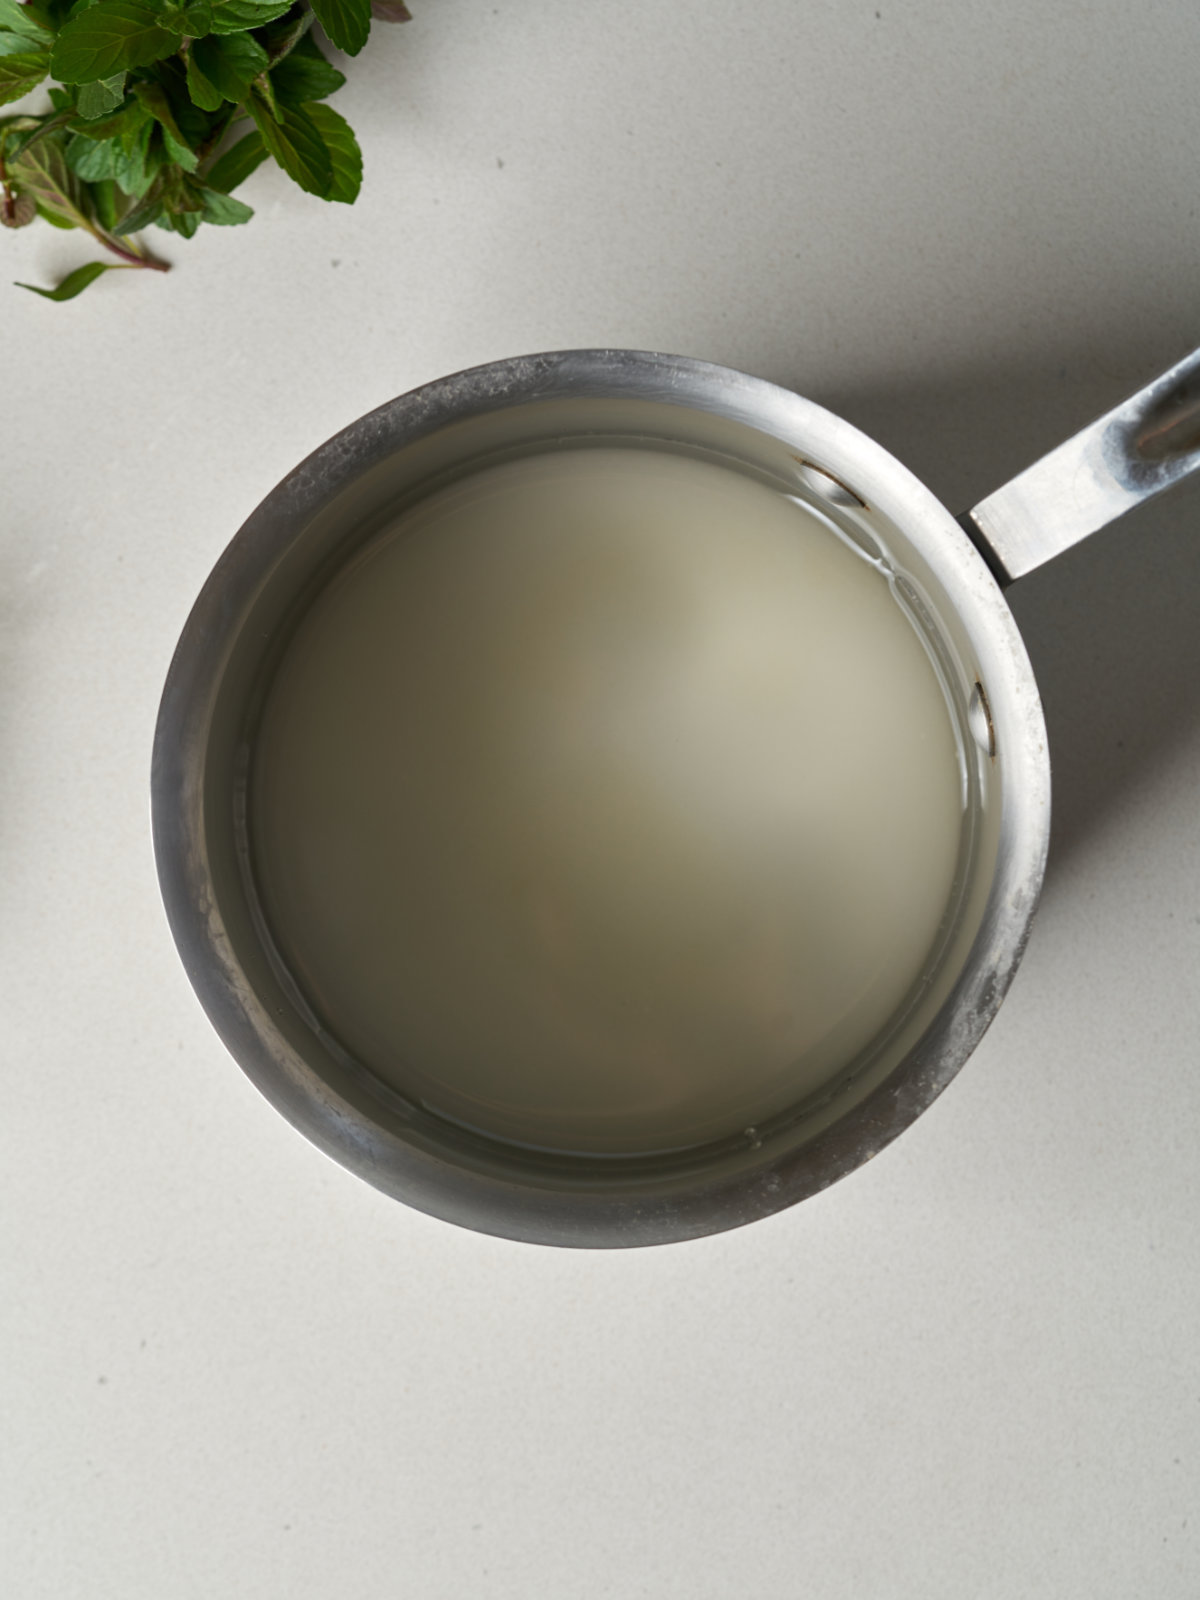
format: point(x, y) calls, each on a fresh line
point(130, 255)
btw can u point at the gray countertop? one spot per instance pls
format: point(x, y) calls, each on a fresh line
point(229, 1368)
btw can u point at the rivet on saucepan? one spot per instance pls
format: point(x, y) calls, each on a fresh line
point(827, 486)
point(979, 720)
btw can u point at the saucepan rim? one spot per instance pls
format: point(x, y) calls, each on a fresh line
point(505, 1202)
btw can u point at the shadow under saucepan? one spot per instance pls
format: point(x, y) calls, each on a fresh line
point(1113, 626)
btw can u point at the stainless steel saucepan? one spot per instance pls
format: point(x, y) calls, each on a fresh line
point(952, 573)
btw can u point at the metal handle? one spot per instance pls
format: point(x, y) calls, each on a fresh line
point(1130, 454)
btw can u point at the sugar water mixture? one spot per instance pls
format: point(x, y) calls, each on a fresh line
point(607, 802)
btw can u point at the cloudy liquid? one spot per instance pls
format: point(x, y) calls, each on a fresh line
point(607, 802)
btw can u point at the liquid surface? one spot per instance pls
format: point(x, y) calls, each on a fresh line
point(607, 802)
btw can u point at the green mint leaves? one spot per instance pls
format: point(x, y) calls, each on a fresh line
point(25, 21)
point(295, 143)
point(42, 173)
point(163, 107)
point(345, 158)
point(99, 98)
point(238, 162)
point(305, 76)
point(74, 283)
point(25, 43)
point(225, 67)
point(111, 36)
point(21, 71)
point(347, 22)
point(234, 16)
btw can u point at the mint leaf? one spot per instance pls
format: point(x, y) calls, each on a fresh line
point(344, 155)
point(347, 22)
point(75, 282)
point(105, 196)
point(21, 71)
point(26, 21)
point(154, 98)
point(238, 162)
point(107, 38)
point(184, 222)
point(194, 18)
point(41, 170)
point(303, 77)
point(314, 146)
point(141, 215)
point(279, 39)
point(181, 154)
point(296, 145)
point(31, 130)
point(203, 91)
point(74, 10)
point(99, 98)
point(222, 209)
point(182, 204)
point(93, 160)
point(194, 126)
point(140, 156)
point(234, 16)
point(170, 197)
point(126, 121)
point(230, 64)
point(179, 192)
point(17, 131)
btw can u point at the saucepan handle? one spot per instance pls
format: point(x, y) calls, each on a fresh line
point(1130, 454)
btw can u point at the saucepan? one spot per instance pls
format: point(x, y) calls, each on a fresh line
point(948, 572)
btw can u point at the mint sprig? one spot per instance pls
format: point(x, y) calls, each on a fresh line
point(161, 108)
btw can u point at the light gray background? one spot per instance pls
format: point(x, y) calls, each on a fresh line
point(973, 1369)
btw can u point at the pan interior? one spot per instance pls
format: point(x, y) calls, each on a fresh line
point(615, 790)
